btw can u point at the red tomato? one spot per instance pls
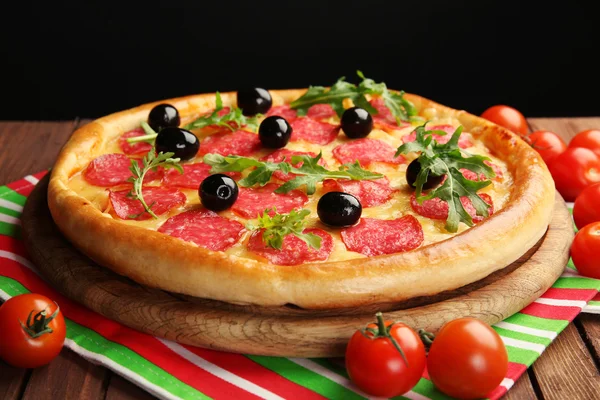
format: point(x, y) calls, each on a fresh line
point(574, 170)
point(467, 359)
point(584, 250)
point(590, 139)
point(508, 117)
point(587, 206)
point(547, 143)
point(43, 337)
point(375, 364)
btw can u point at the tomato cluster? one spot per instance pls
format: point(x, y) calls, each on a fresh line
point(467, 359)
point(575, 169)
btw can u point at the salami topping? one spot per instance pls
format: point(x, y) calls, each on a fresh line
point(113, 169)
point(463, 141)
point(253, 201)
point(369, 193)
point(438, 209)
point(283, 111)
point(192, 177)
point(134, 148)
point(373, 237)
point(496, 168)
point(366, 151)
point(293, 250)
point(241, 143)
point(285, 154)
point(204, 228)
point(159, 199)
point(320, 111)
point(309, 130)
point(384, 118)
point(472, 176)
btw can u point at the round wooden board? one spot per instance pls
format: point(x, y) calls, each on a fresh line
point(280, 331)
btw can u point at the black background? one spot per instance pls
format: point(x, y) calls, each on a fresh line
point(89, 60)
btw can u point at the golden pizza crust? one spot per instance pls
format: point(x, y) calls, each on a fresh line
point(168, 263)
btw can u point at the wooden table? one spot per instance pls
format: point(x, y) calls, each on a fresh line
point(568, 369)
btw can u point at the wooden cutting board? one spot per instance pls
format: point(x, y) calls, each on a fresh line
point(288, 330)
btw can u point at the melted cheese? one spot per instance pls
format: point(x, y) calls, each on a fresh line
point(396, 207)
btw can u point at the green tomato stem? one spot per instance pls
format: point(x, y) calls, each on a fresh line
point(38, 325)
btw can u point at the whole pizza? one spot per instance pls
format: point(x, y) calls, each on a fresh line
point(325, 197)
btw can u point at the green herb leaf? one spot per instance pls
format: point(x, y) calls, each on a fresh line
point(151, 161)
point(310, 171)
point(149, 137)
point(233, 120)
point(400, 108)
point(447, 159)
point(281, 225)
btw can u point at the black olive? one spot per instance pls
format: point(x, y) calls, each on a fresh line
point(180, 141)
point(253, 101)
point(163, 116)
point(339, 209)
point(274, 132)
point(412, 171)
point(357, 122)
point(218, 192)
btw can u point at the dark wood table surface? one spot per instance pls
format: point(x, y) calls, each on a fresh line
point(568, 369)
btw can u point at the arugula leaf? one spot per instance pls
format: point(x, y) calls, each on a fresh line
point(447, 159)
point(148, 137)
point(400, 108)
point(261, 174)
point(334, 96)
point(151, 161)
point(233, 120)
point(311, 172)
point(281, 225)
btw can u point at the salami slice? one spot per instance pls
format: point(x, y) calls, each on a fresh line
point(113, 169)
point(241, 143)
point(192, 177)
point(463, 141)
point(369, 193)
point(253, 201)
point(134, 148)
point(384, 118)
point(472, 176)
point(320, 111)
point(160, 200)
point(285, 154)
point(204, 228)
point(373, 237)
point(496, 168)
point(293, 250)
point(438, 209)
point(366, 151)
point(312, 131)
point(283, 111)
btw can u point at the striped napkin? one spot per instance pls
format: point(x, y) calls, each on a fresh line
point(173, 371)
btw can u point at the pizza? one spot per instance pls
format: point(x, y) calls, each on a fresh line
point(326, 197)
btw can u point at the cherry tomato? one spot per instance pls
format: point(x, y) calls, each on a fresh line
point(377, 367)
point(508, 117)
point(574, 170)
point(584, 250)
point(41, 336)
point(467, 359)
point(590, 139)
point(587, 206)
point(547, 143)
